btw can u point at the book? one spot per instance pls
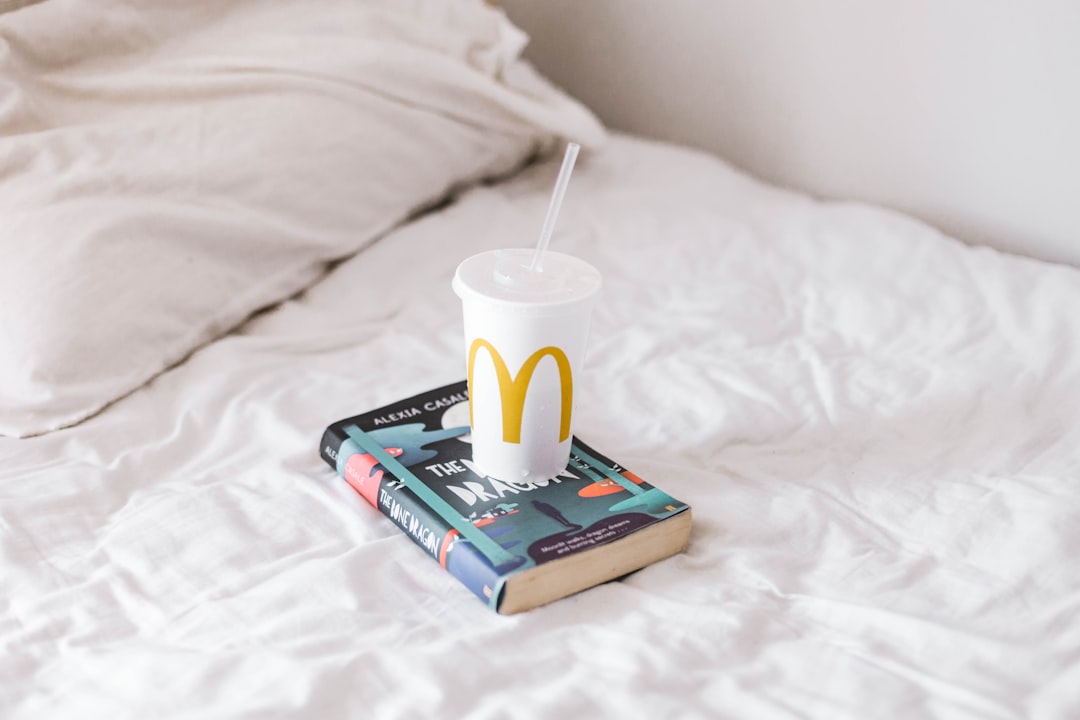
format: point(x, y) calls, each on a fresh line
point(515, 545)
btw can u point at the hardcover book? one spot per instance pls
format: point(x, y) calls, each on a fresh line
point(515, 545)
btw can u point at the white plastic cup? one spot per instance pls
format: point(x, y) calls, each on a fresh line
point(525, 336)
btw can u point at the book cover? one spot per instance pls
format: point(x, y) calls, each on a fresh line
point(412, 460)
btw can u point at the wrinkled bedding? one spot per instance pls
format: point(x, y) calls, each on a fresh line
point(875, 425)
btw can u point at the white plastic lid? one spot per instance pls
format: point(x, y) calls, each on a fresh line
point(503, 277)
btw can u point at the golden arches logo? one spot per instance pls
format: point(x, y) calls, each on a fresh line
point(512, 390)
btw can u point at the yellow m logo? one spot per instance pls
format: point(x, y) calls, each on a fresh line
point(512, 390)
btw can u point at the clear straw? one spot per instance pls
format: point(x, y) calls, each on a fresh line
point(556, 204)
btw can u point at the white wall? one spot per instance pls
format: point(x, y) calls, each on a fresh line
point(965, 113)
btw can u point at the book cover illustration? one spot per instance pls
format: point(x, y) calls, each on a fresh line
point(480, 529)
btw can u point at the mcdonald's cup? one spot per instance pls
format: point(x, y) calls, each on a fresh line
point(525, 336)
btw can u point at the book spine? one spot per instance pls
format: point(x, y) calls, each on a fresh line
point(411, 515)
point(331, 443)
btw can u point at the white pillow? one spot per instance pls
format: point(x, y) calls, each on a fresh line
point(167, 169)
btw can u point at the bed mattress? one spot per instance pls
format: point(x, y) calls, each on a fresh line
point(874, 423)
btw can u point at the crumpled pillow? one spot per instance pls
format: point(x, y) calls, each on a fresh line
point(167, 169)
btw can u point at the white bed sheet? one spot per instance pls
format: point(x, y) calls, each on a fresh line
point(874, 424)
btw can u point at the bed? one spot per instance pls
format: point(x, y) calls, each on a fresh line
point(223, 230)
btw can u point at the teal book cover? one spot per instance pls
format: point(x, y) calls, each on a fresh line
point(412, 460)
